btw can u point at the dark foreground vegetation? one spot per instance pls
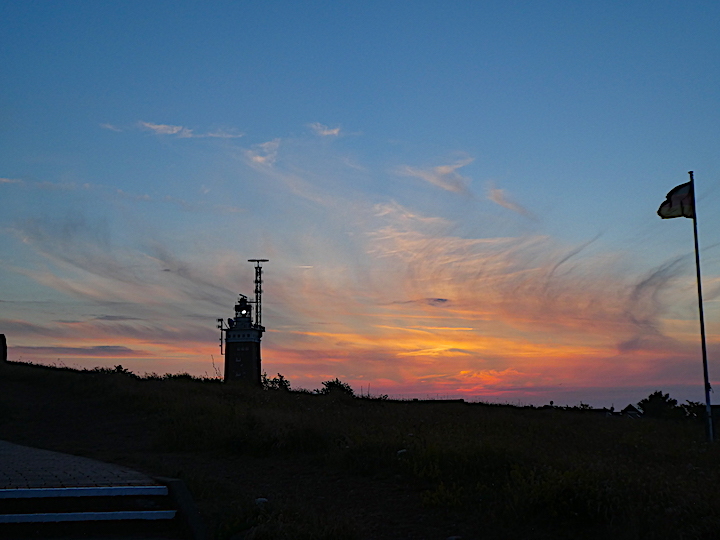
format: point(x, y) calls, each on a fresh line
point(276, 464)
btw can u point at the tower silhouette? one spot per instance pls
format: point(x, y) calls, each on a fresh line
point(242, 335)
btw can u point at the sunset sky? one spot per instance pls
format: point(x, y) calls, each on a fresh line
point(458, 199)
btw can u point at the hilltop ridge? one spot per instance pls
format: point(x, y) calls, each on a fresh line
point(333, 466)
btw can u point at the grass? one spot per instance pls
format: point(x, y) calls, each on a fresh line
point(490, 471)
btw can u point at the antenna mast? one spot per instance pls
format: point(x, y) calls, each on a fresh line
point(220, 326)
point(258, 290)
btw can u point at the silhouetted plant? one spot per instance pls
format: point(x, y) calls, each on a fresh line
point(276, 383)
point(117, 369)
point(583, 407)
point(693, 409)
point(336, 385)
point(659, 405)
point(377, 397)
point(179, 377)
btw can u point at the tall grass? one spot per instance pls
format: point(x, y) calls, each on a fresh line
point(560, 472)
point(515, 472)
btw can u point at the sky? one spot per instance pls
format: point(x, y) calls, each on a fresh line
point(456, 199)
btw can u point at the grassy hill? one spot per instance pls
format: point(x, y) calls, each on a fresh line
point(333, 466)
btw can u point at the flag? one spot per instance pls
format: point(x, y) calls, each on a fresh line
point(680, 202)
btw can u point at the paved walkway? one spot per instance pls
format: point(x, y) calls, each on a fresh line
point(23, 467)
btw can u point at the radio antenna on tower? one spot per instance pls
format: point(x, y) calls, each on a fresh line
point(243, 335)
point(258, 290)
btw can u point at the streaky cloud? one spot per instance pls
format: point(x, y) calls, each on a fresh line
point(222, 134)
point(407, 216)
point(111, 351)
point(187, 133)
point(95, 269)
point(116, 318)
point(437, 302)
point(196, 284)
point(61, 186)
point(47, 185)
point(15, 328)
point(132, 197)
point(182, 203)
point(323, 130)
point(516, 280)
point(166, 129)
point(644, 303)
point(498, 196)
point(263, 153)
point(572, 253)
point(195, 206)
point(442, 176)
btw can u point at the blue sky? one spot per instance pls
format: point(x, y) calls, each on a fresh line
point(505, 157)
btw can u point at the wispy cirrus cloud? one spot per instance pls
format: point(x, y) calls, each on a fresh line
point(264, 153)
point(531, 283)
point(499, 196)
point(362, 288)
point(133, 197)
point(442, 176)
point(62, 186)
point(183, 132)
point(480, 381)
point(116, 318)
point(484, 316)
point(167, 129)
point(194, 206)
point(222, 134)
point(111, 127)
point(323, 130)
point(95, 269)
point(103, 351)
point(403, 215)
point(47, 185)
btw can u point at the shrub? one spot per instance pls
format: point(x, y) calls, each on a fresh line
point(659, 405)
point(336, 386)
point(179, 377)
point(106, 370)
point(276, 383)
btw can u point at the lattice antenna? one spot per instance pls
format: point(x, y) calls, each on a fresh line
point(220, 326)
point(258, 289)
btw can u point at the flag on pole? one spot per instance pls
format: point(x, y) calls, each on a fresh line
point(679, 203)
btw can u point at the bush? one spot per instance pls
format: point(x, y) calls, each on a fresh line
point(179, 377)
point(276, 383)
point(336, 386)
point(659, 405)
point(117, 369)
point(694, 409)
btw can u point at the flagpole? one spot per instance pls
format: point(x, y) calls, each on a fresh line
point(708, 407)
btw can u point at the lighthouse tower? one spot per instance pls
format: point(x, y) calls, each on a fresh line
point(242, 336)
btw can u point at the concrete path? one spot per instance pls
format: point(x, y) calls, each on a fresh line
point(41, 488)
point(23, 467)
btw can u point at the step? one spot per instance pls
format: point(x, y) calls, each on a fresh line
point(87, 491)
point(59, 517)
point(46, 494)
point(97, 503)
